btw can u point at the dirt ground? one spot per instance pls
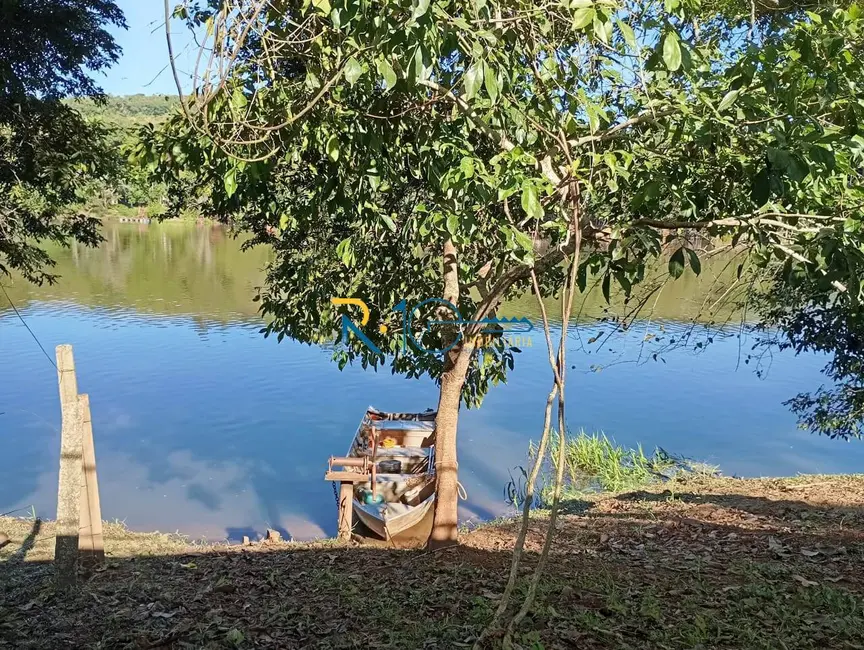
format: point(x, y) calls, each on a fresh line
point(694, 563)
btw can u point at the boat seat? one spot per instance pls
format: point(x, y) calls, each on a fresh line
point(398, 452)
point(402, 425)
point(393, 486)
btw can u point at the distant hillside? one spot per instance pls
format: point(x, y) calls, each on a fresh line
point(129, 190)
point(128, 110)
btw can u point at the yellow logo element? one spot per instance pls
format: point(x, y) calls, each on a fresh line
point(357, 303)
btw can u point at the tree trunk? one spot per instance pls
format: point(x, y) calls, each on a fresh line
point(445, 525)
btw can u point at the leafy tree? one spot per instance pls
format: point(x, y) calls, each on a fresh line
point(800, 317)
point(397, 150)
point(127, 184)
point(47, 151)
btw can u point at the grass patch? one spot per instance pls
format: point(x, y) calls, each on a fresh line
point(595, 463)
point(32, 539)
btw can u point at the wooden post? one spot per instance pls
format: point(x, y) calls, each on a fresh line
point(79, 514)
point(346, 509)
point(66, 376)
point(90, 542)
point(69, 494)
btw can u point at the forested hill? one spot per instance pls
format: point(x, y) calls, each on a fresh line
point(128, 110)
point(127, 190)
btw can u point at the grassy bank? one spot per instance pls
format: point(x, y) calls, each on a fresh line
point(694, 562)
point(595, 463)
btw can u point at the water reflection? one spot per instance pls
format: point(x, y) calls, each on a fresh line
point(203, 426)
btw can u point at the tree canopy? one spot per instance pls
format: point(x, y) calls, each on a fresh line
point(48, 152)
point(396, 150)
point(473, 120)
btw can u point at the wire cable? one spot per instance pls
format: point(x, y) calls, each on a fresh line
point(23, 322)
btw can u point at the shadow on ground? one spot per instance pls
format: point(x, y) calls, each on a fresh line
point(706, 566)
point(755, 505)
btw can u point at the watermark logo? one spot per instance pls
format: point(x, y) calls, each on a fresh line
point(514, 331)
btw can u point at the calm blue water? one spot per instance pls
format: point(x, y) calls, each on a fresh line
point(203, 426)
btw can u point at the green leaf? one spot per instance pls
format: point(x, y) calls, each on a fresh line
point(467, 167)
point(353, 70)
point(421, 70)
point(235, 636)
point(333, 148)
point(695, 264)
point(646, 194)
point(549, 67)
point(523, 240)
point(389, 221)
point(672, 51)
point(473, 79)
point(230, 181)
point(345, 252)
point(593, 116)
point(797, 169)
point(627, 33)
point(238, 99)
point(606, 286)
point(728, 99)
point(323, 6)
point(420, 8)
point(823, 156)
point(583, 17)
point(761, 190)
point(602, 30)
point(452, 224)
point(676, 263)
point(530, 200)
point(582, 277)
point(490, 82)
point(791, 164)
point(312, 81)
point(387, 72)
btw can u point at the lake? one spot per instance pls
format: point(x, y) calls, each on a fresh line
point(203, 426)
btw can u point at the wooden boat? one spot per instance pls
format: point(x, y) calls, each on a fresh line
point(400, 448)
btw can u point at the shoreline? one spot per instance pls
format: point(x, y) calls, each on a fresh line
point(123, 542)
point(693, 562)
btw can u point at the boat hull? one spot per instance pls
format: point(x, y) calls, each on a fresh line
point(393, 526)
point(409, 495)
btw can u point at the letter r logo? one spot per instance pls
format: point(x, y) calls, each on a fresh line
point(347, 324)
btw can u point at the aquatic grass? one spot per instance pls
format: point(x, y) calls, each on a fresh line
point(595, 463)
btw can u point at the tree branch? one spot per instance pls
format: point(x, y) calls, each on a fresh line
point(499, 137)
point(626, 124)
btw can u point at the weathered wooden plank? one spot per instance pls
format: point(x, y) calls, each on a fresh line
point(66, 375)
point(90, 540)
point(69, 495)
point(346, 477)
point(346, 510)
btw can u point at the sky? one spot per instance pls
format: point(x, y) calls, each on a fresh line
point(143, 66)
